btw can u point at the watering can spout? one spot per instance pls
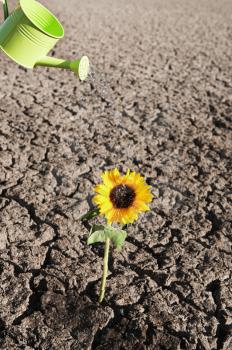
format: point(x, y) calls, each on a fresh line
point(5, 9)
point(80, 67)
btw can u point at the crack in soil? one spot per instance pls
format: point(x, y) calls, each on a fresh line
point(161, 283)
point(37, 291)
point(34, 303)
point(119, 313)
point(17, 269)
point(28, 206)
point(31, 212)
point(223, 330)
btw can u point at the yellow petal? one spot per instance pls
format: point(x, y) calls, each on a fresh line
point(111, 179)
point(140, 206)
point(101, 189)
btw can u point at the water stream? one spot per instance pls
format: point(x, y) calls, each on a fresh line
point(100, 85)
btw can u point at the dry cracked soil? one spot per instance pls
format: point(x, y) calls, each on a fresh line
point(159, 101)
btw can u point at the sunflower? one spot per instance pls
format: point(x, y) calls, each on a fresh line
point(122, 197)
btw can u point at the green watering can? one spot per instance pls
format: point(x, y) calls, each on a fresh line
point(30, 32)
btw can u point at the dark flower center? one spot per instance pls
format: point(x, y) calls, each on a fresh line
point(122, 196)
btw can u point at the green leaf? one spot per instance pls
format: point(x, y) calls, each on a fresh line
point(116, 236)
point(99, 233)
point(98, 236)
point(97, 228)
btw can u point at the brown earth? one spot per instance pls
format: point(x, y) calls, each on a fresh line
point(160, 102)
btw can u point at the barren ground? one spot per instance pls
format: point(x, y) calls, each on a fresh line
point(160, 102)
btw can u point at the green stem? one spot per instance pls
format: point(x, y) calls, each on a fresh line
point(105, 270)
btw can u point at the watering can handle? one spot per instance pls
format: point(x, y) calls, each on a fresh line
point(5, 9)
